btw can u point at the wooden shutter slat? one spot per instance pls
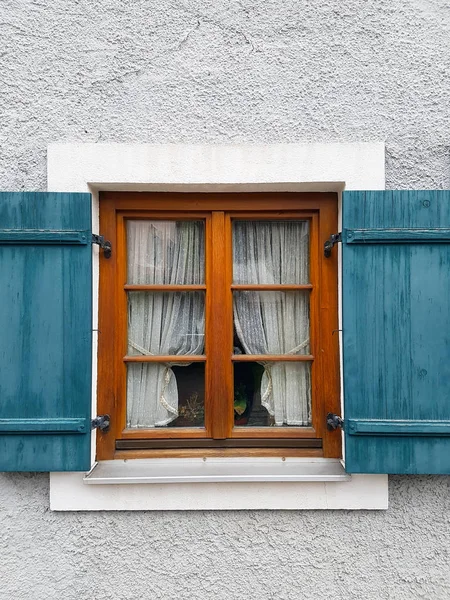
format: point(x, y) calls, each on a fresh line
point(38, 236)
point(402, 236)
point(385, 427)
point(44, 425)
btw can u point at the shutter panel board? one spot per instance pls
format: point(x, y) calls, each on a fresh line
point(46, 331)
point(396, 331)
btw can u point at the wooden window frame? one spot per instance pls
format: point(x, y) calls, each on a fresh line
point(218, 210)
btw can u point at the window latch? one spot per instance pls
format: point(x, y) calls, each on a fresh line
point(331, 241)
point(334, 422)
point(105, 245)
point(101, 422)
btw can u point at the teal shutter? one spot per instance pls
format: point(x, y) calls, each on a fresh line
point(396, 331)
point(45, 331)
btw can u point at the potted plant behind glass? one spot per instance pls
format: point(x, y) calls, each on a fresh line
point(191, 413)
point(241, 405)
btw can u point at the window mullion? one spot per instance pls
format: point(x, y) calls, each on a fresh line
point(219, 330)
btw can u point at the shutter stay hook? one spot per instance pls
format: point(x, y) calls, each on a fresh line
point(331, 241)
point(101, 422)
point(105, 245)
point(334, 422)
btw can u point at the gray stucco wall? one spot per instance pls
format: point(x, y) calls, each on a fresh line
point(226, 71)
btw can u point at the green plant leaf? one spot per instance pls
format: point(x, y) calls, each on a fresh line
point(240, 404)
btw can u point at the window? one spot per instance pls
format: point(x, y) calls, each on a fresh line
point(92, 167)
point(217, 322)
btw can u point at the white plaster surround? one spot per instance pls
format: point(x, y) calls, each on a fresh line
point(211, 168)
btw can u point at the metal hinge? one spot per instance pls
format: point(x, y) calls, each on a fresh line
point(331, 241)
point(334, 421)
point(101, 422)
point(104, 244)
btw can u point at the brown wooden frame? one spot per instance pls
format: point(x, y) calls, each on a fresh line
point(219, 437)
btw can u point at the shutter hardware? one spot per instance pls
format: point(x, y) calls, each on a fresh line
point(104, 244)
point(331, 241)
point(334, 421)
point(101, 422)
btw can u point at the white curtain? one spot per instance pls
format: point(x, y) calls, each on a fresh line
point(275, 322)
point(162, 252)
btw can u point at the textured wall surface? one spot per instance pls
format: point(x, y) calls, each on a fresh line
point(225, 71)
point(402, 553)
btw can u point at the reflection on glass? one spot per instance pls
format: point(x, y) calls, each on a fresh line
point(166, 323)
point(165, 252)
point(271, 252)
point(160, 395)
point(271, 322)
point(272, 394)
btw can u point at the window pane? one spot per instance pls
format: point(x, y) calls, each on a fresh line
point(272, 394)
point(161, 395)
point(166, 323)
point(271, 252)
point(165, 252)
point(271, 322)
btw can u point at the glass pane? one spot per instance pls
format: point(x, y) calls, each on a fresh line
point(271, 252)
point(166, 323)
point(271, 322)
point(272, 394)
point(161, 395)
point(165, 252)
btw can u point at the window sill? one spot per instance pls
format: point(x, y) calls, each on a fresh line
point(215, 470)
point(218, 484)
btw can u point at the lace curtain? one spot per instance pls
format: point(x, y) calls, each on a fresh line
point(162, 252)
point(275, 322)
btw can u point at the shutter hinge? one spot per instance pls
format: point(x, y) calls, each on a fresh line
point(105, 245)
point(331, 241)
point(334, 421)
point(101, 422)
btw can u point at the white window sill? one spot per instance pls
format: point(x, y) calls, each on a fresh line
point(218, 484)
point(215, 470)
